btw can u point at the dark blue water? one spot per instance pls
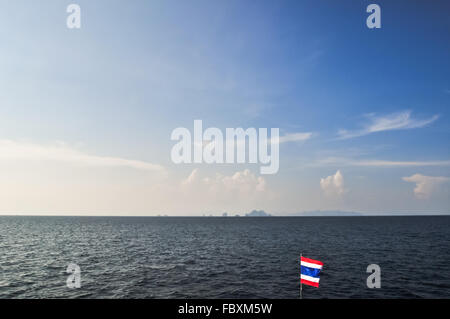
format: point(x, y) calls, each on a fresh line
point(172, 257)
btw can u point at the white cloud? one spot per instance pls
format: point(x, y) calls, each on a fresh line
point(243, 183)
point(425, 185)
point(295, 137)
point(13, 150)
point(378, 163)
point(333, 185)
point(192, 178)
point(205, 192)
point(393, 121)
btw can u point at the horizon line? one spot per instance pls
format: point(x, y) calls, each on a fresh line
point(356, 214)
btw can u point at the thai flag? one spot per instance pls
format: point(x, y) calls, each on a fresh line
point(310, 271)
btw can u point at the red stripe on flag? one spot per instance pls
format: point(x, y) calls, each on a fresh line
point(307, 282)
point(312, 261)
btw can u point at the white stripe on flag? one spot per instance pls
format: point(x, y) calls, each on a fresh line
point(309, 278)
point(310, 265)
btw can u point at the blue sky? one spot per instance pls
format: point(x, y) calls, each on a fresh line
point(91, 111)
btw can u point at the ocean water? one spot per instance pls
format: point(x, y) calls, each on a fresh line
point(212, 257)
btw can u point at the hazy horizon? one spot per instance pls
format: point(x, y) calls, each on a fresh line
point(230, 215)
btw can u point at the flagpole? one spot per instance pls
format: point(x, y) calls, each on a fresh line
point(301, 285)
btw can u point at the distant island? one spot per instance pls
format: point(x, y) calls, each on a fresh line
point(314, 213)
point(327, 213)
point(262, 213)
point(257, 213)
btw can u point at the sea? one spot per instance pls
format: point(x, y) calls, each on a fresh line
point(223, 257)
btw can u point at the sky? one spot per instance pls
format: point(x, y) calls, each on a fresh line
point(86, 115)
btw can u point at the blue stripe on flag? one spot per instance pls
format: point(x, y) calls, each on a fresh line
point(313, 272)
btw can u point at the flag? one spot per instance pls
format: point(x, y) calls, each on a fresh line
point(310, 271)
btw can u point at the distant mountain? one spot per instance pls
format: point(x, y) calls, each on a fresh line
point(257, 213)
point(327, 213)
point(261, 213)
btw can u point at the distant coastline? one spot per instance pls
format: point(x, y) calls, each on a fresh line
point(251, 214)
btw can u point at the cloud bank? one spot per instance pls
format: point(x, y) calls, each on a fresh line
point(13, 150)
point(243, 182)
point(330, 161)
